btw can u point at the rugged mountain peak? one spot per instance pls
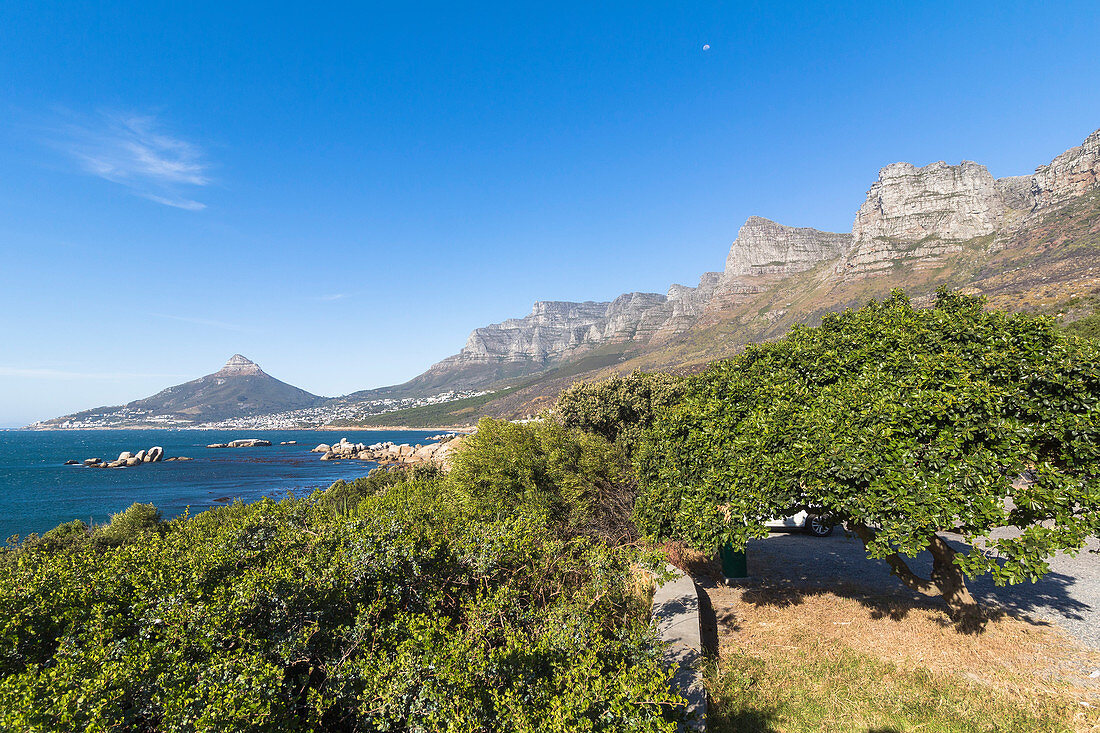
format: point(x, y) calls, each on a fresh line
point(239, 366)
point(1069, 175)
point(764, 247)
point(938, 200)
point(920, 214)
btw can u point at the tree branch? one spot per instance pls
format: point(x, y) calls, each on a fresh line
point(897, 565)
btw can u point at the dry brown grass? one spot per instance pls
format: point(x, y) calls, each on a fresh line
point(1028, 666)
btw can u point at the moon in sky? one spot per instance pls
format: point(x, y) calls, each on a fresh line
point(706, 46)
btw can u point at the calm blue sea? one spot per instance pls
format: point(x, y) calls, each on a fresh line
point(38, 492)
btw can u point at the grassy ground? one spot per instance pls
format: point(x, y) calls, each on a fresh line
point(846, 662)
point(838, 689)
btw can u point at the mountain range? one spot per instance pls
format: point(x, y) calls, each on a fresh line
point(1028, 242)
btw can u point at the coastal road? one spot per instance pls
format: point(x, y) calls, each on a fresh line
point(1069, 595)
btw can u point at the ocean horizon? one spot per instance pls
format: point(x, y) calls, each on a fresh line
point(38, 492)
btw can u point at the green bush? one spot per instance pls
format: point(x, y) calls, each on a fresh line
point(344, 495)
point(137, 522)
point(901, 422)
point(60, 537)
point(618, 408)
point(578, 481)
point(406, 612)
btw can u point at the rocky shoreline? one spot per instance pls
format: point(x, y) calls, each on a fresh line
point(126, 459)
point(389, 453)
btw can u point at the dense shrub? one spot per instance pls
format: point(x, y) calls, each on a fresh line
point(61, 536)
point(618, 408)
point(136, 523)
point(402, 610)
point(344, 495)
point(578, 481)
point(901, 422)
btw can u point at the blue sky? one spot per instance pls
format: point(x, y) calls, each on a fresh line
point(342, 193)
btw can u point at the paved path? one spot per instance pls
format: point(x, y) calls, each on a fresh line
point(1069, 595)
point(676, 611)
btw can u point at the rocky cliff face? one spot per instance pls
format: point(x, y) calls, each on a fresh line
point(763, 247)
point(557, 331)
point(919, 215)
point(938, 200)
point(766, 252)
point(552, 327)
point(922, 214)
point(1070, 175)
point(684, 306)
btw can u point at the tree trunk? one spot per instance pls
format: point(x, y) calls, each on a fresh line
point(947, 580)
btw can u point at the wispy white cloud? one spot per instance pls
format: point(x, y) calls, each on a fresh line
point(200, 321)
point(187, 204)
point(332, 297)
point(36, 373)
point(135, 151)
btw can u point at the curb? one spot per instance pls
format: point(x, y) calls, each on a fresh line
point(675, 610)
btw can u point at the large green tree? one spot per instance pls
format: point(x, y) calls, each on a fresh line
point(903, 423)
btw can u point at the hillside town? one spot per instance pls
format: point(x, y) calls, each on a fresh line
point(332, 411)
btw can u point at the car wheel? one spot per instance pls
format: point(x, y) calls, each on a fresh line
point(819, 526)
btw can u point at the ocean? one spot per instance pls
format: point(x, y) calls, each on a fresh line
point(38, 492)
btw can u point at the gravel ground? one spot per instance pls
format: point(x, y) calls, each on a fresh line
point(1068, 596)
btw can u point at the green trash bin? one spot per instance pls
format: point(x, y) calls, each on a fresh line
point(734, 563)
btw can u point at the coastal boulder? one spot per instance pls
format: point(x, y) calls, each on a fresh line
point(323, 448)
point(426, 452)
point(328, 456)
point(125, 455)
point(91, 461)
point(155, 454)
point(132, 461)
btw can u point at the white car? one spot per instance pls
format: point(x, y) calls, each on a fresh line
point(818, 525)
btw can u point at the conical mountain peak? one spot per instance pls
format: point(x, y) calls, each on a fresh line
point(240, 365)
